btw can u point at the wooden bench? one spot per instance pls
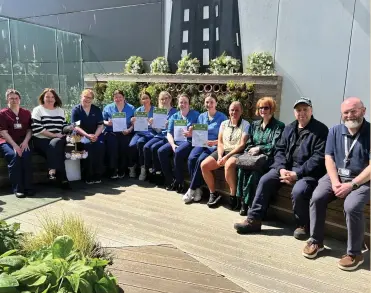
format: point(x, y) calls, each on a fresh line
point(281, 208)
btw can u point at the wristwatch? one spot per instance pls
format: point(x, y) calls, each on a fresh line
point(354, 185)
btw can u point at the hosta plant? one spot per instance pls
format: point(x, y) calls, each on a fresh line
point(188, 65)
point(134, 65)
point(160, 65)
point(260, 63)
point(224, 65)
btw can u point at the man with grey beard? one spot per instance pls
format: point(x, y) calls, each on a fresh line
point(347, 158)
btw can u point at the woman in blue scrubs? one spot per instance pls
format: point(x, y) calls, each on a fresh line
point(151, 161)
point(213, 119)
point(89, 124)
point(117, 143)
point(140, 138)
point(180, 148)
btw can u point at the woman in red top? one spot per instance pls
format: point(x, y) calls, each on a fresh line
point(15, 134)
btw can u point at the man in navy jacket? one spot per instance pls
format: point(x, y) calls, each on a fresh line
point(299, 161)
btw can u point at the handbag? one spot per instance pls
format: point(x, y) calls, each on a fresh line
point(252, 163)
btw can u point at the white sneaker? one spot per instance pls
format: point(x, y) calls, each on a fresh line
point(132, 173)
point(188, 197)
point(197, 195)
point(143, 173)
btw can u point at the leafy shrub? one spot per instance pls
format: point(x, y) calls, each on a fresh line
point(55, 269)
point(134, 65)
point(99, 90)
point(224, 65)
point(160, 65)
point(188, 65)
point(260, 63)
point(9, 236)
point(131, 90)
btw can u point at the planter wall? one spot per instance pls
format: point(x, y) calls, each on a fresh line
point(264, 85)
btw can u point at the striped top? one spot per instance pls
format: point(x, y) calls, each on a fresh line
point(45, 119)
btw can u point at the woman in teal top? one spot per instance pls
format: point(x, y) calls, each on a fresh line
point(178, 145)
point(140, 137)
point(212, 118)
point(263, 136)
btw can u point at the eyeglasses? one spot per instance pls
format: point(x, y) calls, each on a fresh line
point(264, 108)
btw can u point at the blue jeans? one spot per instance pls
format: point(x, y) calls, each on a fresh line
point(197, 155)
point(19, 168)
point(151, 153)
point(180, 156)
point(136, 149)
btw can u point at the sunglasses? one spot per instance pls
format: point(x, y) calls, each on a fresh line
point(264, 108)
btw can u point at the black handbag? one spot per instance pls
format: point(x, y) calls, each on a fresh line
point(252, 163)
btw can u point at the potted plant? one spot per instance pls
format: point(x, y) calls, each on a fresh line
point(134, 65)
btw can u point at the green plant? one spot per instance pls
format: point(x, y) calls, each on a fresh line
point(188, 65)
point(231, 85)
point(134, 65)
point(260, 63)
point(131, 90)
point(160, 65)
point(250, 87)
point(99, 90)
point(224, 65)
point(9, 236)
point(84, 237)
point(154, 89)
point(55, 269)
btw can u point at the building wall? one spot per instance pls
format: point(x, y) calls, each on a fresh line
point(321, 49)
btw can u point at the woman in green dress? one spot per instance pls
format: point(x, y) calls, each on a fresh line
point(263, 135)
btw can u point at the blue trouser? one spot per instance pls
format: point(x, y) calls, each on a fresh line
point(268, 187)
point(117, 145)
point(136, 149)
point(354, 205)
point(150, 150)
point(180, 156)
point(93, 165)
point(19, 168)
point(53, 150)
point(197, 155)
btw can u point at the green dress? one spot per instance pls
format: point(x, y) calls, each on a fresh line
point(266, 140)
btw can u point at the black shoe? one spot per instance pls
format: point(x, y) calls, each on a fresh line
point(171, 187)
point(30, 193)
point(214, 199)
point(248, 226)
point(300, 233)
point(19, 194)
point(234, 203)
point(243, 210)
point(180, 189)
point(65, 185)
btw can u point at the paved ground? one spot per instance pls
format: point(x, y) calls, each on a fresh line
point(128, 215)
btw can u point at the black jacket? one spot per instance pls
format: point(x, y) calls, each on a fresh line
point(311, 155)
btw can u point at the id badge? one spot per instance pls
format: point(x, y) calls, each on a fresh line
point(17, 126)
point(344, 172)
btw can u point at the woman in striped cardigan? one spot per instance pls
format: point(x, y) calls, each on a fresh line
point(48, 126)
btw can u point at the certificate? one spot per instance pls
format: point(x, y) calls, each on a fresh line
point(200, 135)
point(119, 122)
point(159, 118)
point(179, 127)
point(141, 121)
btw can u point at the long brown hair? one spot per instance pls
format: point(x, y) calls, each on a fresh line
point(58, 101)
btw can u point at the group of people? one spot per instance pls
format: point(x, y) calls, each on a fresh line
point(319, 164)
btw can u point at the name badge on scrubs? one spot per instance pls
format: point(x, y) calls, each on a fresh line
point(344, 172)
point(17, 125)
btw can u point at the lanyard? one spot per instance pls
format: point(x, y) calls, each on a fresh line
point(348, 151)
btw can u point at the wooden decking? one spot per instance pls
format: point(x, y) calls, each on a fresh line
point(129, 215)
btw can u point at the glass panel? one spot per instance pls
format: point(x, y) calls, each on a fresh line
point(5, 61)
point(34, 60)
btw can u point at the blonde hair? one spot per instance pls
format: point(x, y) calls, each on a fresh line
point(266, 101)
point(163, 93)
point(86, 92)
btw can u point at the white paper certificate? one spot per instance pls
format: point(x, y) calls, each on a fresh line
point(159, 118)
point(179, 127)
point(141, 121)
point(199, 135)
point(119, 122)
